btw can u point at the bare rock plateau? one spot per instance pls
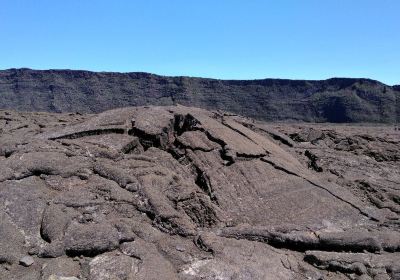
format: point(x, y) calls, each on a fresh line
point(183, 193)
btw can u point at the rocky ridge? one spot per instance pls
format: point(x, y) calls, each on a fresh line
point(139, 192)
point(339, 100)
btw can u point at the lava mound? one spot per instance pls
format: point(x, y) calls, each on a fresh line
point(176, 193)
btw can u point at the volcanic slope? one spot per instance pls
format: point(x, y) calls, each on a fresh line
point(339, 100)
point(139, 192)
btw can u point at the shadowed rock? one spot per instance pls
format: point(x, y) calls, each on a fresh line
point(331, 100)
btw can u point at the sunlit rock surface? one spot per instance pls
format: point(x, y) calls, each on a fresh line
point(184, 193)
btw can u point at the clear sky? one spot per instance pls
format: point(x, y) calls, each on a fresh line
point(228, 39)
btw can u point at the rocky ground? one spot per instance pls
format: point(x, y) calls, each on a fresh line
point(183, 193)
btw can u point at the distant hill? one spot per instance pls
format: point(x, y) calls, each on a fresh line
point(332, 100)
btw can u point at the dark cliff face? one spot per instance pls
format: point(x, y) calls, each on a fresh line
point(333, 100)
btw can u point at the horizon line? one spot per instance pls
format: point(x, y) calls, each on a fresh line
point(197, 77)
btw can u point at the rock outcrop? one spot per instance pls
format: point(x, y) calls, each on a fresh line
point(183, 193)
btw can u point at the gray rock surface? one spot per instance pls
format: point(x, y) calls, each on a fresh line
point(183, 193)
point(26, 261)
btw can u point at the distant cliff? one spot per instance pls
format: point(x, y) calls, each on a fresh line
point(332, 100)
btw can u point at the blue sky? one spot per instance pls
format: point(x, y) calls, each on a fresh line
point(228, 39)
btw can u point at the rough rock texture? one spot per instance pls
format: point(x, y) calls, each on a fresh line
point(184, 193)
point(333, 100)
